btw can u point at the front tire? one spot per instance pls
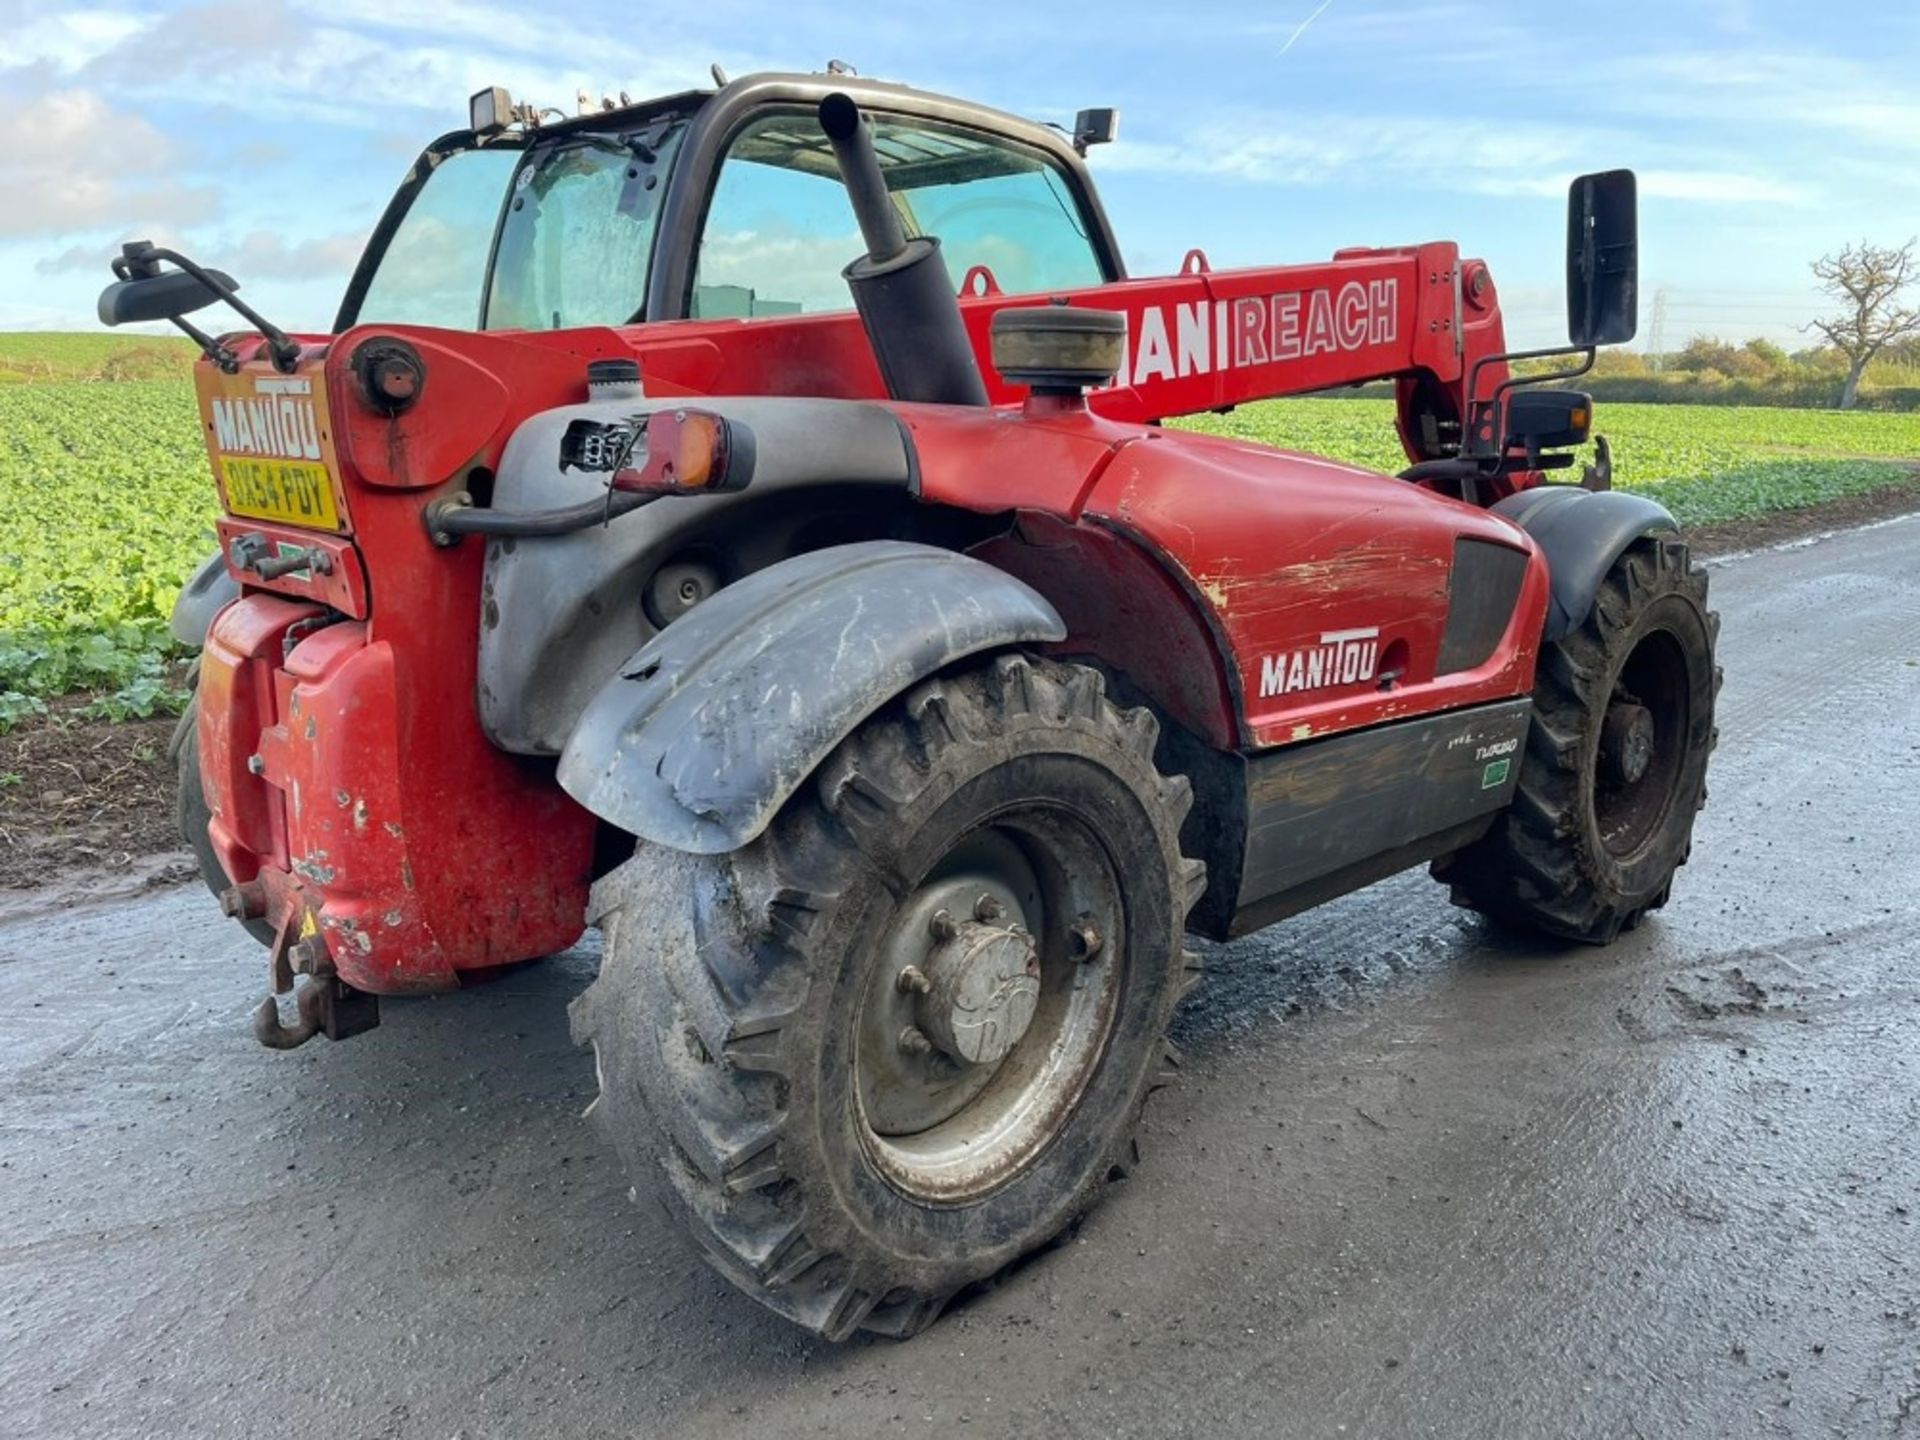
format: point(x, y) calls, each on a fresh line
point(903, 1038)
point(1615, 765)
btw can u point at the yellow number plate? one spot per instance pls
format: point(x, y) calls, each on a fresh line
point(296, 492)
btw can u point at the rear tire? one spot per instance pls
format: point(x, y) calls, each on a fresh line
point(747, 1018)
point(192, 814)
point(1615, 764)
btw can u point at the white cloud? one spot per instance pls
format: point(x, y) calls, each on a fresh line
point(1351, 149)
point(1766, 93)
point(268, 254)
point(88, 165)
point(357, 63)
point(66, 40)
point(1476, 156)
point(1721, 187)
point(1710, 187)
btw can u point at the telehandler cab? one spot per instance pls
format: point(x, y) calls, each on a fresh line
point(883, 681)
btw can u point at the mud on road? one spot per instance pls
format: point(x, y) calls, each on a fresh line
point(1420, 1179)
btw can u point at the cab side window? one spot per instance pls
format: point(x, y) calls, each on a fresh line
point(779, 228)
point(434, 269)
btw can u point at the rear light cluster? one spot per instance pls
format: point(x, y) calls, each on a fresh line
point(669, 452)
point(685, 450)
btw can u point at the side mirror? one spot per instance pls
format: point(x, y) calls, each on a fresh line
point(163, 296)
point(1603, 259)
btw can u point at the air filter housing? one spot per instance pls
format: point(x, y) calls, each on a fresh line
point(1059, 348)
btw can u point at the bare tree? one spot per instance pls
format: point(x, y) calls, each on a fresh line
point(1868, 281)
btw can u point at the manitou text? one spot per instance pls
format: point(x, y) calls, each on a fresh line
point(1343, 657)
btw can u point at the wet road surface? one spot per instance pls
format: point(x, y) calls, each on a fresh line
point(1419, 1181)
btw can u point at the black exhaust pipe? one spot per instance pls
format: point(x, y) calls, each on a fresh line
point(901, 286)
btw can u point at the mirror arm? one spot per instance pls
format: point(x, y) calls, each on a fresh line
point(280, 346)
point(213, 349)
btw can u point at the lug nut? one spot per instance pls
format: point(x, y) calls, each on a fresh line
point(1083, 939)
point(987, 909)
point(913, 1041)
point(913, 981)
point(942, 925)
point(256, 765)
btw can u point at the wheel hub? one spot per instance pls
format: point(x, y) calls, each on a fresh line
point(986, 1009)
point(982, 987)
point(956, 989)
point(1626, 742)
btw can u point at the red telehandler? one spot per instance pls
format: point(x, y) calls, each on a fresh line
point(883, 681)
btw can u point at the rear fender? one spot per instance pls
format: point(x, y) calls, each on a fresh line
point(208, 591)
point(697, 741)
point(559, 615)
point(1581, 533)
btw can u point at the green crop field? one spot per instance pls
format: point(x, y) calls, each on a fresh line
point(28, 357)
point(106, 504)
point(1704, 463)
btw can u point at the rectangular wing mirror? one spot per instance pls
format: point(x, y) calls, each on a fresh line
point(1603, 259)
point(165, 296)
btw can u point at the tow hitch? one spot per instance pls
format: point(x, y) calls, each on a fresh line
point(326, 1004)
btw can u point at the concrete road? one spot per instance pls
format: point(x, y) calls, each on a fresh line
point(1420, 1181)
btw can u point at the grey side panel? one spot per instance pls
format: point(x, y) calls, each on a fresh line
point(204, 596)
point(1581, 533)
point(700, 738)
point(1326, 808)
point(559, 615)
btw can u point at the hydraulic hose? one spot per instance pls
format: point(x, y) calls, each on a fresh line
point(448, 520)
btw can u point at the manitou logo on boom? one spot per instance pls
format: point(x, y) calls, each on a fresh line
point(279, 422)
point(1171, 342)
point(1343, 657)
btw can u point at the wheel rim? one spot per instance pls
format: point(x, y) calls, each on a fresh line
point(987, 1010)
point(1642, 746)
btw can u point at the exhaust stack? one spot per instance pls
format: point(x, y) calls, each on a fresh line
point(901, 286)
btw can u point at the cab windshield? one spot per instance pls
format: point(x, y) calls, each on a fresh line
point(547, 237)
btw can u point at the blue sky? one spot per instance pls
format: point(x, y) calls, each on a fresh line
point(266, 136)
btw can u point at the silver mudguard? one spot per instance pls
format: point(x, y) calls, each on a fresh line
point(558, 615)
point(697, 741)
point(207, 592)
point(1581, 534)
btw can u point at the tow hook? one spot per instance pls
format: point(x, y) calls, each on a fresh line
point(328, 1006)
point(325, 1005)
